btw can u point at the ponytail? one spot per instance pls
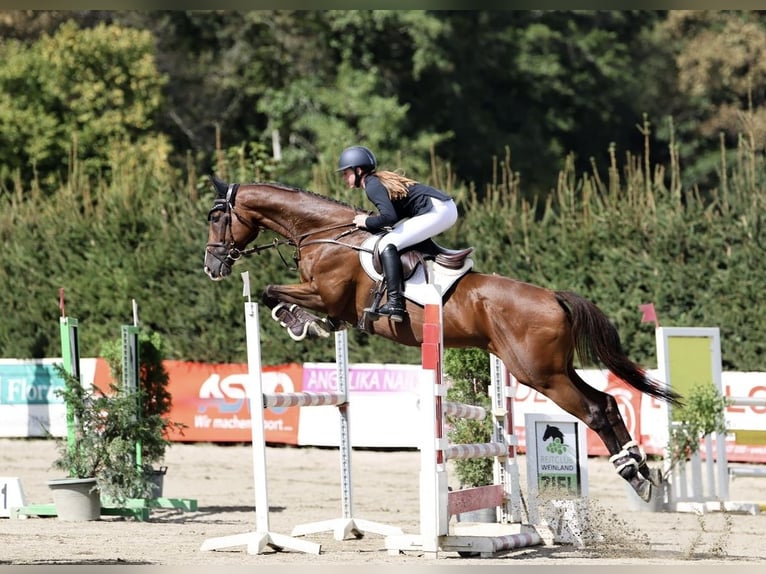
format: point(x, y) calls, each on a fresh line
point(396, 184)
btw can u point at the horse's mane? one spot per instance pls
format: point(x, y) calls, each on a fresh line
point(286, 187)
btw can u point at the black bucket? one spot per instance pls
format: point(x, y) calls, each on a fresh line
point(156, 477)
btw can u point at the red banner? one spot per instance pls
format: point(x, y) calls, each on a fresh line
point(211, 401)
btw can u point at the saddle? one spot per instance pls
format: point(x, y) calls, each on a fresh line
point(420, 253)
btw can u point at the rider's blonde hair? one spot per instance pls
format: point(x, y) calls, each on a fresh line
point(396, 184)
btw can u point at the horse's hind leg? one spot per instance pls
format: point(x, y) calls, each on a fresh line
point(600, 412)
point(627, 457)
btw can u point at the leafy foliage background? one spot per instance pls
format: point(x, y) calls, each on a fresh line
point(587, 150)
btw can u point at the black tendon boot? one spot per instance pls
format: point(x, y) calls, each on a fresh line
point(392, 269)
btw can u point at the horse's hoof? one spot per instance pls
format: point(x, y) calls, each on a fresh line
point(643, 490)
point(317, 330)
point(332, 324)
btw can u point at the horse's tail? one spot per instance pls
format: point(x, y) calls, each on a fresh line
point(596, 340)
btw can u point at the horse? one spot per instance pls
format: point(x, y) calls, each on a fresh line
point(535, 331)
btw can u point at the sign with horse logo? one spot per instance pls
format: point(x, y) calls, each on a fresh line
point(557, 457)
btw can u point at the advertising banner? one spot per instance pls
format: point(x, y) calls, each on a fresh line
point(212, 402)
point(29, 405)
point(556, 454)
point(383, 406)
point(646, 417)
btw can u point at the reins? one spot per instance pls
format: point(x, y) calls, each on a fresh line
point(299, 242)
point(226, 204)
point(335, 240)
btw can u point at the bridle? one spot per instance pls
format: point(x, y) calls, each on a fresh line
point(233, 253)
point(228, 243)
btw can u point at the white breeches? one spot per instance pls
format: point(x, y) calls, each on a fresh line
point(440, 217)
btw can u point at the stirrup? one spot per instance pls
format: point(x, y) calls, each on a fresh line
point(397, 318)
point(372, 312)
point(397, 315)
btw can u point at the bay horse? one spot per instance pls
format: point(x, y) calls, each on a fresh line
point(535, 331)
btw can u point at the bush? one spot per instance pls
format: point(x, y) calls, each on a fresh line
point(101, 442)
point(469, 374)
point(155, 399)
point(107, 425)
point(702, 414)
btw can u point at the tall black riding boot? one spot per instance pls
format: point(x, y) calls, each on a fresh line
point(392, 268)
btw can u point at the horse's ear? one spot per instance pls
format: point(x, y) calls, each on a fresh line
point(220, 186)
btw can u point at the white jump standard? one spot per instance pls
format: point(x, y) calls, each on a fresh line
point(701, 484)
point(437, 502)
point(258, 540)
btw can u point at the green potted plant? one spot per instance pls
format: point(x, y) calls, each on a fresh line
point(98, 453)
point(703, 413)
point(468, 372)
point(116, 435)
point(154, 401)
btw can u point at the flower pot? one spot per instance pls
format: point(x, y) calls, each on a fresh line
point(76, 499)
point(157, 478)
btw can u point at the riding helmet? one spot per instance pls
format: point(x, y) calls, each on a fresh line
point(357, 156)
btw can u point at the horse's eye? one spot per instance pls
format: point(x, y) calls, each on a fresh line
point(214, 216)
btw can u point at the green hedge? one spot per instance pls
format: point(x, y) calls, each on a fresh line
point(623, 238)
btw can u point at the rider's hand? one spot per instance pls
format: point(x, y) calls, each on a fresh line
point(359, 220)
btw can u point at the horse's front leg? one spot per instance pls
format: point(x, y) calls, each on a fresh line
point(288, 305)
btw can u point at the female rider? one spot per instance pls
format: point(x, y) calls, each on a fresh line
point(410, 211)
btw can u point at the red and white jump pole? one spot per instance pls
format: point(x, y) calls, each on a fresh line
point(263, 536)
point(437, 502)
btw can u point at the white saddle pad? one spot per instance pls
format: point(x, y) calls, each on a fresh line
point(416, 288)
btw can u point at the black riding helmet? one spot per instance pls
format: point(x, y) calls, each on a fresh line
point(357, 156)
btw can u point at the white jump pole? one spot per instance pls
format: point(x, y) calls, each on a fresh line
point(342, 527)
point(506, 470)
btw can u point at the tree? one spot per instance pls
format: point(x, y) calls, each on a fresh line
point(71, 94)
point(540, 83)
point(720, 57)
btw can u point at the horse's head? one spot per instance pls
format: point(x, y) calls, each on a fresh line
point(229, 232)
